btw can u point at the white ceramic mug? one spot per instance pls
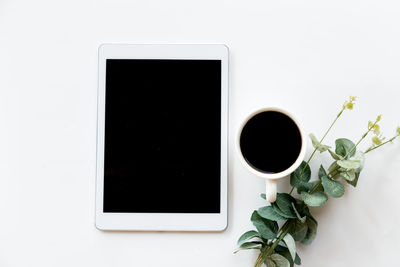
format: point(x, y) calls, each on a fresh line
point(271, 178)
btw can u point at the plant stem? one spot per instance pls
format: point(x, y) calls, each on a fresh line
point(362, 138)
point(334, 172)
point(337, 117)
point(359, 141)
point(281, 236)
point(322, 139)
point(315, 149)
point(384, 143)
point(284, 230)
point(315, 187)
point(258, 259)
point(330, 174)
point(351, 150)
point(291, 190)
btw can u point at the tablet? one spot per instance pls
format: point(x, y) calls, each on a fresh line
point(162, 138)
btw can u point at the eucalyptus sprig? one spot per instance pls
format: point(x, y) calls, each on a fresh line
point(277, 245)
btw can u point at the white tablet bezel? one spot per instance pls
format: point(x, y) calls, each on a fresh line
point(162, 221)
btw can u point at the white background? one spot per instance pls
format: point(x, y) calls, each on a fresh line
point(305, 56)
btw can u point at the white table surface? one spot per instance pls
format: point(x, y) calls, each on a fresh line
point(305, 56)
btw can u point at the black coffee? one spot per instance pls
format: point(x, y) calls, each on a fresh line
point(270, 142)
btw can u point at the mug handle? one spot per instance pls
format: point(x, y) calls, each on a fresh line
point(270, 190)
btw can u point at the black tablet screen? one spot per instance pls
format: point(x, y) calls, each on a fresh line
point(162, 136)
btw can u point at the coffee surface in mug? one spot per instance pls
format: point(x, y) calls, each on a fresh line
point(270, 142)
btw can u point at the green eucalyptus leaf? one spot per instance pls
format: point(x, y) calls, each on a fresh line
point(315, 199)
point(302, 186)
point(298, 230)
point(359, 156)
point(263, 196)
point(249, 245)
point(349, 164)
point(305, 187)
point(284, 202)
point(321, 172)
point(336, 176)
point(344, 146)
point(267, 228)
point(349, 175)
point(332, 188)
point(281, 213)
point(307, 212)
point(302, 219)
point(284, 251)
point(247, 236)
point(304, 210)
point(319, 188)
point(317, 145)
point(279, 260)
point(334, 167)
point(269, 263)
point(297, 260)
point(269, 213)
point(278, 211)
point(355, 180)
point(291, 245)
point(301, 207)
point(301, 175)
point(311, 232)
point(334, 155)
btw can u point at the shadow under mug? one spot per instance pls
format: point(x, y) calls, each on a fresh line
point(271, 178)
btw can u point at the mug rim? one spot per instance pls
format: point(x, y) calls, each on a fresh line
point(293, 167)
